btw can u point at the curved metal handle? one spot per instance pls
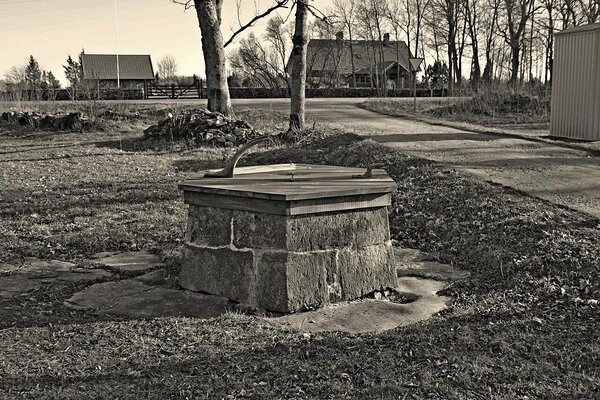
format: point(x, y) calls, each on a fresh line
point(370, 168)
point(229, 169)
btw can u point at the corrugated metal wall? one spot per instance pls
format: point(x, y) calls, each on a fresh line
point(576, 84)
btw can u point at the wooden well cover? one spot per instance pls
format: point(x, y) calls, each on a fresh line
point(291, 189)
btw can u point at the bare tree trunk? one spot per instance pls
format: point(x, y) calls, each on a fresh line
point(488, 71)
point(352, 59)
point(298, 63)
point(217, 91)
point(471, 15)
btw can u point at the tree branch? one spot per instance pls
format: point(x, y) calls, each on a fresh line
point(187, 4)
point(278, 4)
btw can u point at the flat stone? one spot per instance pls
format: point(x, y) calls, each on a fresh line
point(84, 275)
point(157, 277)
point(406, 255)
point(171, 302)
point(132, 298)
point(34, 273)
point(410, 262)
point(14, 285)
point(106, 295)
point(129, 262)
point(36, 266)
point(370, 315)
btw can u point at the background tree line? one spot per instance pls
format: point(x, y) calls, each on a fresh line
point(30, 82)
point(476, 43)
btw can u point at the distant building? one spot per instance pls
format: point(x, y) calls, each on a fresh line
point(329, 62)
point(134, 70)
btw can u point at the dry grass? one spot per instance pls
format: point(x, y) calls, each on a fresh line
point(524, 326)
point(500, 109)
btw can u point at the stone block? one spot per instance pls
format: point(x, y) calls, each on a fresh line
point(356, 229)
point(371, 227)
point(311, 232)
point(287, 263)
point(362, 271)
point(222, 272)
point(259, 231)
point(289, 282)
point(209, 226)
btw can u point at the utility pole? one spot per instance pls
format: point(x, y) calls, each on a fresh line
point(117, 45)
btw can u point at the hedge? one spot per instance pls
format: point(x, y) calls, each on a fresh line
point(260, 93)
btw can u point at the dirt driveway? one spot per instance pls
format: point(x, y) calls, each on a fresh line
point(557, 172)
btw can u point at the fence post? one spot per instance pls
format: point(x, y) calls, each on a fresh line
point(172, 90)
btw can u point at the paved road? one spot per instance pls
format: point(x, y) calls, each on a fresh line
point(557, 173)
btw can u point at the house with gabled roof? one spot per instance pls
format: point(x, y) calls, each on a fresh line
point(338, 62)
point(133, 69)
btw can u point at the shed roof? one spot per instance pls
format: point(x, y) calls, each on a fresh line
point(578, 29)
point(104, 66)
point(324, 54)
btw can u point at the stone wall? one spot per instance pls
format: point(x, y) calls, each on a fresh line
point(287, 263)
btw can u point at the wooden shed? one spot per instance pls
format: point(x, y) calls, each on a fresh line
point(576, 84)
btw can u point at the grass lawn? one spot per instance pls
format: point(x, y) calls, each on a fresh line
point(525, 325)
point(493, 109)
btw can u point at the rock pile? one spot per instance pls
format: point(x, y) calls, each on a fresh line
point(203, 127)
point(74, 121)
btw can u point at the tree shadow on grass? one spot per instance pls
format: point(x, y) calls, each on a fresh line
point(196, 165)
point(91, 196)
point(135, 144)
point(269, 363)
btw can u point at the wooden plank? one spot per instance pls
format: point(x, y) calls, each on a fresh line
point(308, 182)
point(316, 206)
point(236, 203)
point(301, 207)
point(292, 190)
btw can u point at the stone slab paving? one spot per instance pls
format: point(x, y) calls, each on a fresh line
point(14, 285)
point(420, 279)
point(84, 275)
point(411, 262)
point(32, 273)
point(133, 298)
point(370, 315)
point(156, 277)
point(35, 265)
point(132, 262)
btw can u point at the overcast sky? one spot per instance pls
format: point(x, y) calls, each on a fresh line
point(50, 30)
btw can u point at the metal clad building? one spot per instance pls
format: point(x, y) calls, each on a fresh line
point(576, 84)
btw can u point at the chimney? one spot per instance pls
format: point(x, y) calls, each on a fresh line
point(386, 39)
point(339, 36)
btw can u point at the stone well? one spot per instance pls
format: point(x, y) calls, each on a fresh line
point(289, 237)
